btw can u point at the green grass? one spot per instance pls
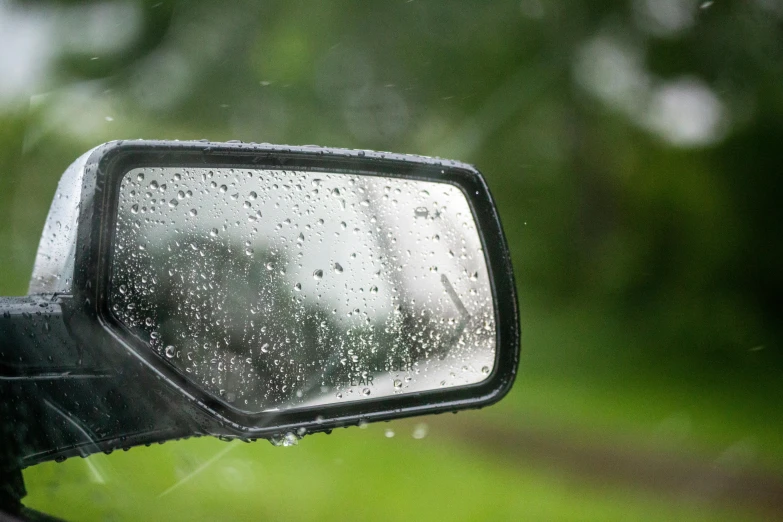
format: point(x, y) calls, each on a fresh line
point(351, 475)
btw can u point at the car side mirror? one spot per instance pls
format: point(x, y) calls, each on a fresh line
point(255, 291)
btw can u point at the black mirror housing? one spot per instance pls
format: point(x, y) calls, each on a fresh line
point(77, 381)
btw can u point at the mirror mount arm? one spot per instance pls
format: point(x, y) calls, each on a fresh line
point(60, 395)
point(37, 345)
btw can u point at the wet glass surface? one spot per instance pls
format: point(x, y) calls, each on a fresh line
point(277, 289)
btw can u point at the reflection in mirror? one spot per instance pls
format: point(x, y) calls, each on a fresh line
point(275, 289)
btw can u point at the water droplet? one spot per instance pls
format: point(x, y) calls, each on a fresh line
point(420, 431)
point(389, 433)
point(247, 204)
point(365, 203)
point(298, 287)
point(180, 195)
point(485, 370)
point(252, 196)
point(249, 251)
point(193, 212)
point(373, 289)
point(269, 266)
point(135, 209)
point(397, 384)
point(140, 176)
point(474, 276)
point(366, 392)
point(173, 203)
point(123, 289)
point(213, 232)
point(338, 268)
point(287, 440)
point(153, 185)
point(318, 274)
point(223, 189)
point(169, 351)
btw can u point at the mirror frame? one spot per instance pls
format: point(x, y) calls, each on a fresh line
point(104, 171)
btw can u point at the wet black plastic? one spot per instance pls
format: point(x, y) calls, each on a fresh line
point(131, 396)
point(65, 397)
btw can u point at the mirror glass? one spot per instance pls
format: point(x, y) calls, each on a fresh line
point(277, 289)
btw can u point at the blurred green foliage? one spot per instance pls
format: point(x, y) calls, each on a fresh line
point(634, 150)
